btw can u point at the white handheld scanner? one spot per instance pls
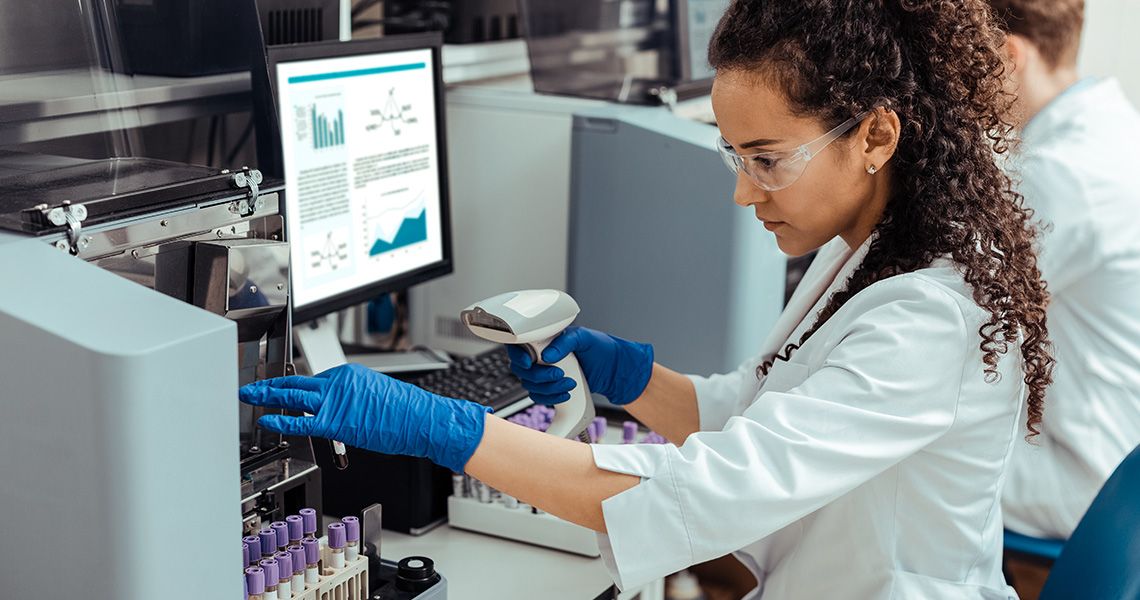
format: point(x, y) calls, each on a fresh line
point(532, 319)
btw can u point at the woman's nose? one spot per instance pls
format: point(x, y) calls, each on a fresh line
point(747, 193)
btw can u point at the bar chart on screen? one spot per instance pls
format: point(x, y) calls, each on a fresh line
point(318, 122)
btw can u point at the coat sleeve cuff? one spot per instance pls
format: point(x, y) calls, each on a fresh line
point(716, 399)
point(653, 505)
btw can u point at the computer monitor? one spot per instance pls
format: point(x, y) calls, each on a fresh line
point(360, 142)
point(695, 21)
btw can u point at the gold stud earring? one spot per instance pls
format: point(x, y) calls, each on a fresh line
point(872, 169)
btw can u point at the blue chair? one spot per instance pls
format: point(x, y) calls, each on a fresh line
point(1037, 549)
point(1102, 558)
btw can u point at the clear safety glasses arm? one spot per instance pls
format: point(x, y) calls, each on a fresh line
point(804, 151)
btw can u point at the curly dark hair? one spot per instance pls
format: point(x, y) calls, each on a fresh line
point(937, 64)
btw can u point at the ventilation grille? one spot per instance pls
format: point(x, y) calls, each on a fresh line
point(451, 327)
point(296, 26)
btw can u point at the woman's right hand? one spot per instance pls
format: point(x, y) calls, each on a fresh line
point(615, 368)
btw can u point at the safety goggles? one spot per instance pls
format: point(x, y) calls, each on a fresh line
point(773, 171)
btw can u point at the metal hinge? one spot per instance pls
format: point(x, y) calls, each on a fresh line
point(249, 179)
point(666, 95)
point(72, 216)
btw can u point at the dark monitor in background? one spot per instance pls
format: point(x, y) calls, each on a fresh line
point(359, 139)
point(187, 38)
point(695, 21)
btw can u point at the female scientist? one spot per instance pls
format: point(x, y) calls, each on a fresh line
point(863, 454)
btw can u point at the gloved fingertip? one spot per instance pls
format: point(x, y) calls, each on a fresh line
point(519, 356)
point(251, 394)
point(270, 422)
point(553, 354)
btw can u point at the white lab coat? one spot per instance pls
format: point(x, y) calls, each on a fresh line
point(870, 466)
point(1080, 171)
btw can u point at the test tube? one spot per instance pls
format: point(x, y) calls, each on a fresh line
point(297, 554)
point(337, 542)
point(268, 543)
point(272, 580)
point(312, 560)
point(484, 493)
point(255, 583)
point(282, 531)
point(284, 575)
point(600, 425)
point(352, 538)
point(244, 555)
point(309, 522)
point(340, 455)
point(510, 501)
point(457, 485)
point(628, 432)
point(296, 526)
point(254, 544)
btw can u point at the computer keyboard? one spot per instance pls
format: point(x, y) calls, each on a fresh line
point(485, 378)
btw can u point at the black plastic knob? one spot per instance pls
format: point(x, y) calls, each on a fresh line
point(416, 574)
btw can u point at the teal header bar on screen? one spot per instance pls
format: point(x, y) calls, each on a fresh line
point(356, 73)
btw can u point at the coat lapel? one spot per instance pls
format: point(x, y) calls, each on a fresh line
point(830, 270)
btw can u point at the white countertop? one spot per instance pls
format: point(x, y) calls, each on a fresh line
point(479, 566)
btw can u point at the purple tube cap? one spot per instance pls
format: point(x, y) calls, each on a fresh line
point(312, 551)
point(269, 565)
point(244, 554)
point(255, 580)
point(309, 519)
point(337, 537)
point(351, 528)
point(254, 544)
point(284, 564)
point(282, 533)
point(297, 553)
point(296, 524)
point(268, 541)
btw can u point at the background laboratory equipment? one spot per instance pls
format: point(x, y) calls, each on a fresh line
point(628, 51)
point(161, 286)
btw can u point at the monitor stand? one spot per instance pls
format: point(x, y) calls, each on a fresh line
point(319, 343)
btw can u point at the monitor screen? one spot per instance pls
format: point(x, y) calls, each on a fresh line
point(697, 21)
point(365, 197)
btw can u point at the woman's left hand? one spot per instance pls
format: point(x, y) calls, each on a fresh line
point(362, 408)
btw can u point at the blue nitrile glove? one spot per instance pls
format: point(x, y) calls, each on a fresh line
point(360, 407)
point(615, 368)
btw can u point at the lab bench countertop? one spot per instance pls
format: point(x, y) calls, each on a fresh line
point(479, 567)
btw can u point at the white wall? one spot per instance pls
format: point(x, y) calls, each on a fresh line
point(1111, 43)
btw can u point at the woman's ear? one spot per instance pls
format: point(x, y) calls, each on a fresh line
point(1017, 51)
point(879, 136)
